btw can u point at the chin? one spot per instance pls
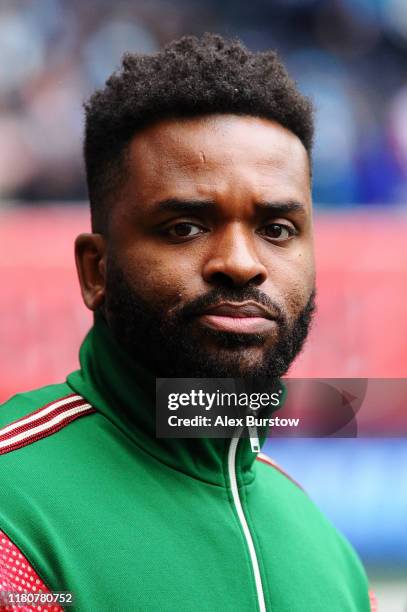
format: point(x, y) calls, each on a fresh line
point(238, 362)
point(219, 340)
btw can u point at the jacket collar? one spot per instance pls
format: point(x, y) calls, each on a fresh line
point(124, 392)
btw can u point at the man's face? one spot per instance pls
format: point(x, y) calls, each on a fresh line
point(209, 264)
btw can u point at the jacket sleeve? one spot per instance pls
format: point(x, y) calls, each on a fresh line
point(18, 579)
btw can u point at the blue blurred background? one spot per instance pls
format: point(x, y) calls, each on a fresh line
point(350, 56)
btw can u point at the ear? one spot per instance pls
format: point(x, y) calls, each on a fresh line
point(90, 257)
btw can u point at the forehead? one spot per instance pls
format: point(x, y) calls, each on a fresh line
point(218, 153)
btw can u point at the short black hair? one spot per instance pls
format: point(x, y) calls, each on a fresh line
point(188, 78)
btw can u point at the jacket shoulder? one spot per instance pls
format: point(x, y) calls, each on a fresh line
point(21, 404)
point(28, 417)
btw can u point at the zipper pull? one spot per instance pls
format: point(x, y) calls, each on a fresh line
point(254, 439)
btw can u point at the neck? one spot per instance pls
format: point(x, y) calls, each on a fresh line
point(124, 392)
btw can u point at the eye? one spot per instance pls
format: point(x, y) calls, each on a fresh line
point(278, 232)
point(184, 230)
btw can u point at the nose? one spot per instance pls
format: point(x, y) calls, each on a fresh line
point(233, 260)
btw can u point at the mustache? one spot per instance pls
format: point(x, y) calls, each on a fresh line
point(218, 295)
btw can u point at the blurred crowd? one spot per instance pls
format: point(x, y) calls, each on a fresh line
point(350, 56)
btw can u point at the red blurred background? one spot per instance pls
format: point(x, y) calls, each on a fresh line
point(360, 329)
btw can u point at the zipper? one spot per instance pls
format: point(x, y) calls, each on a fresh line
point(242, 519)
point(254, 439)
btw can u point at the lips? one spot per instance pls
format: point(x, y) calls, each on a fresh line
point(246, 317)
point(239, 310)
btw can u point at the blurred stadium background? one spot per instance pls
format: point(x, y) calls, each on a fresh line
point(351, 57)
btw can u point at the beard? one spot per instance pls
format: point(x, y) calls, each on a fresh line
point(166, 341)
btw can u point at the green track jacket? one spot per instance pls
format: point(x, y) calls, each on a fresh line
point(91, 502)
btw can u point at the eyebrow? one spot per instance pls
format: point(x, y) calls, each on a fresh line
point(179, 206)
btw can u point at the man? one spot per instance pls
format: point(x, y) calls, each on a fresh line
point(200, 264)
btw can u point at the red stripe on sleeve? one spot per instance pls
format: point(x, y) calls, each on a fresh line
point(373, 602)
point(266, 460)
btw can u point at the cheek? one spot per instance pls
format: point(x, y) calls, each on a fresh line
point(294, 282)
point(306, 270)
point(163, 281)
point(296, 300)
